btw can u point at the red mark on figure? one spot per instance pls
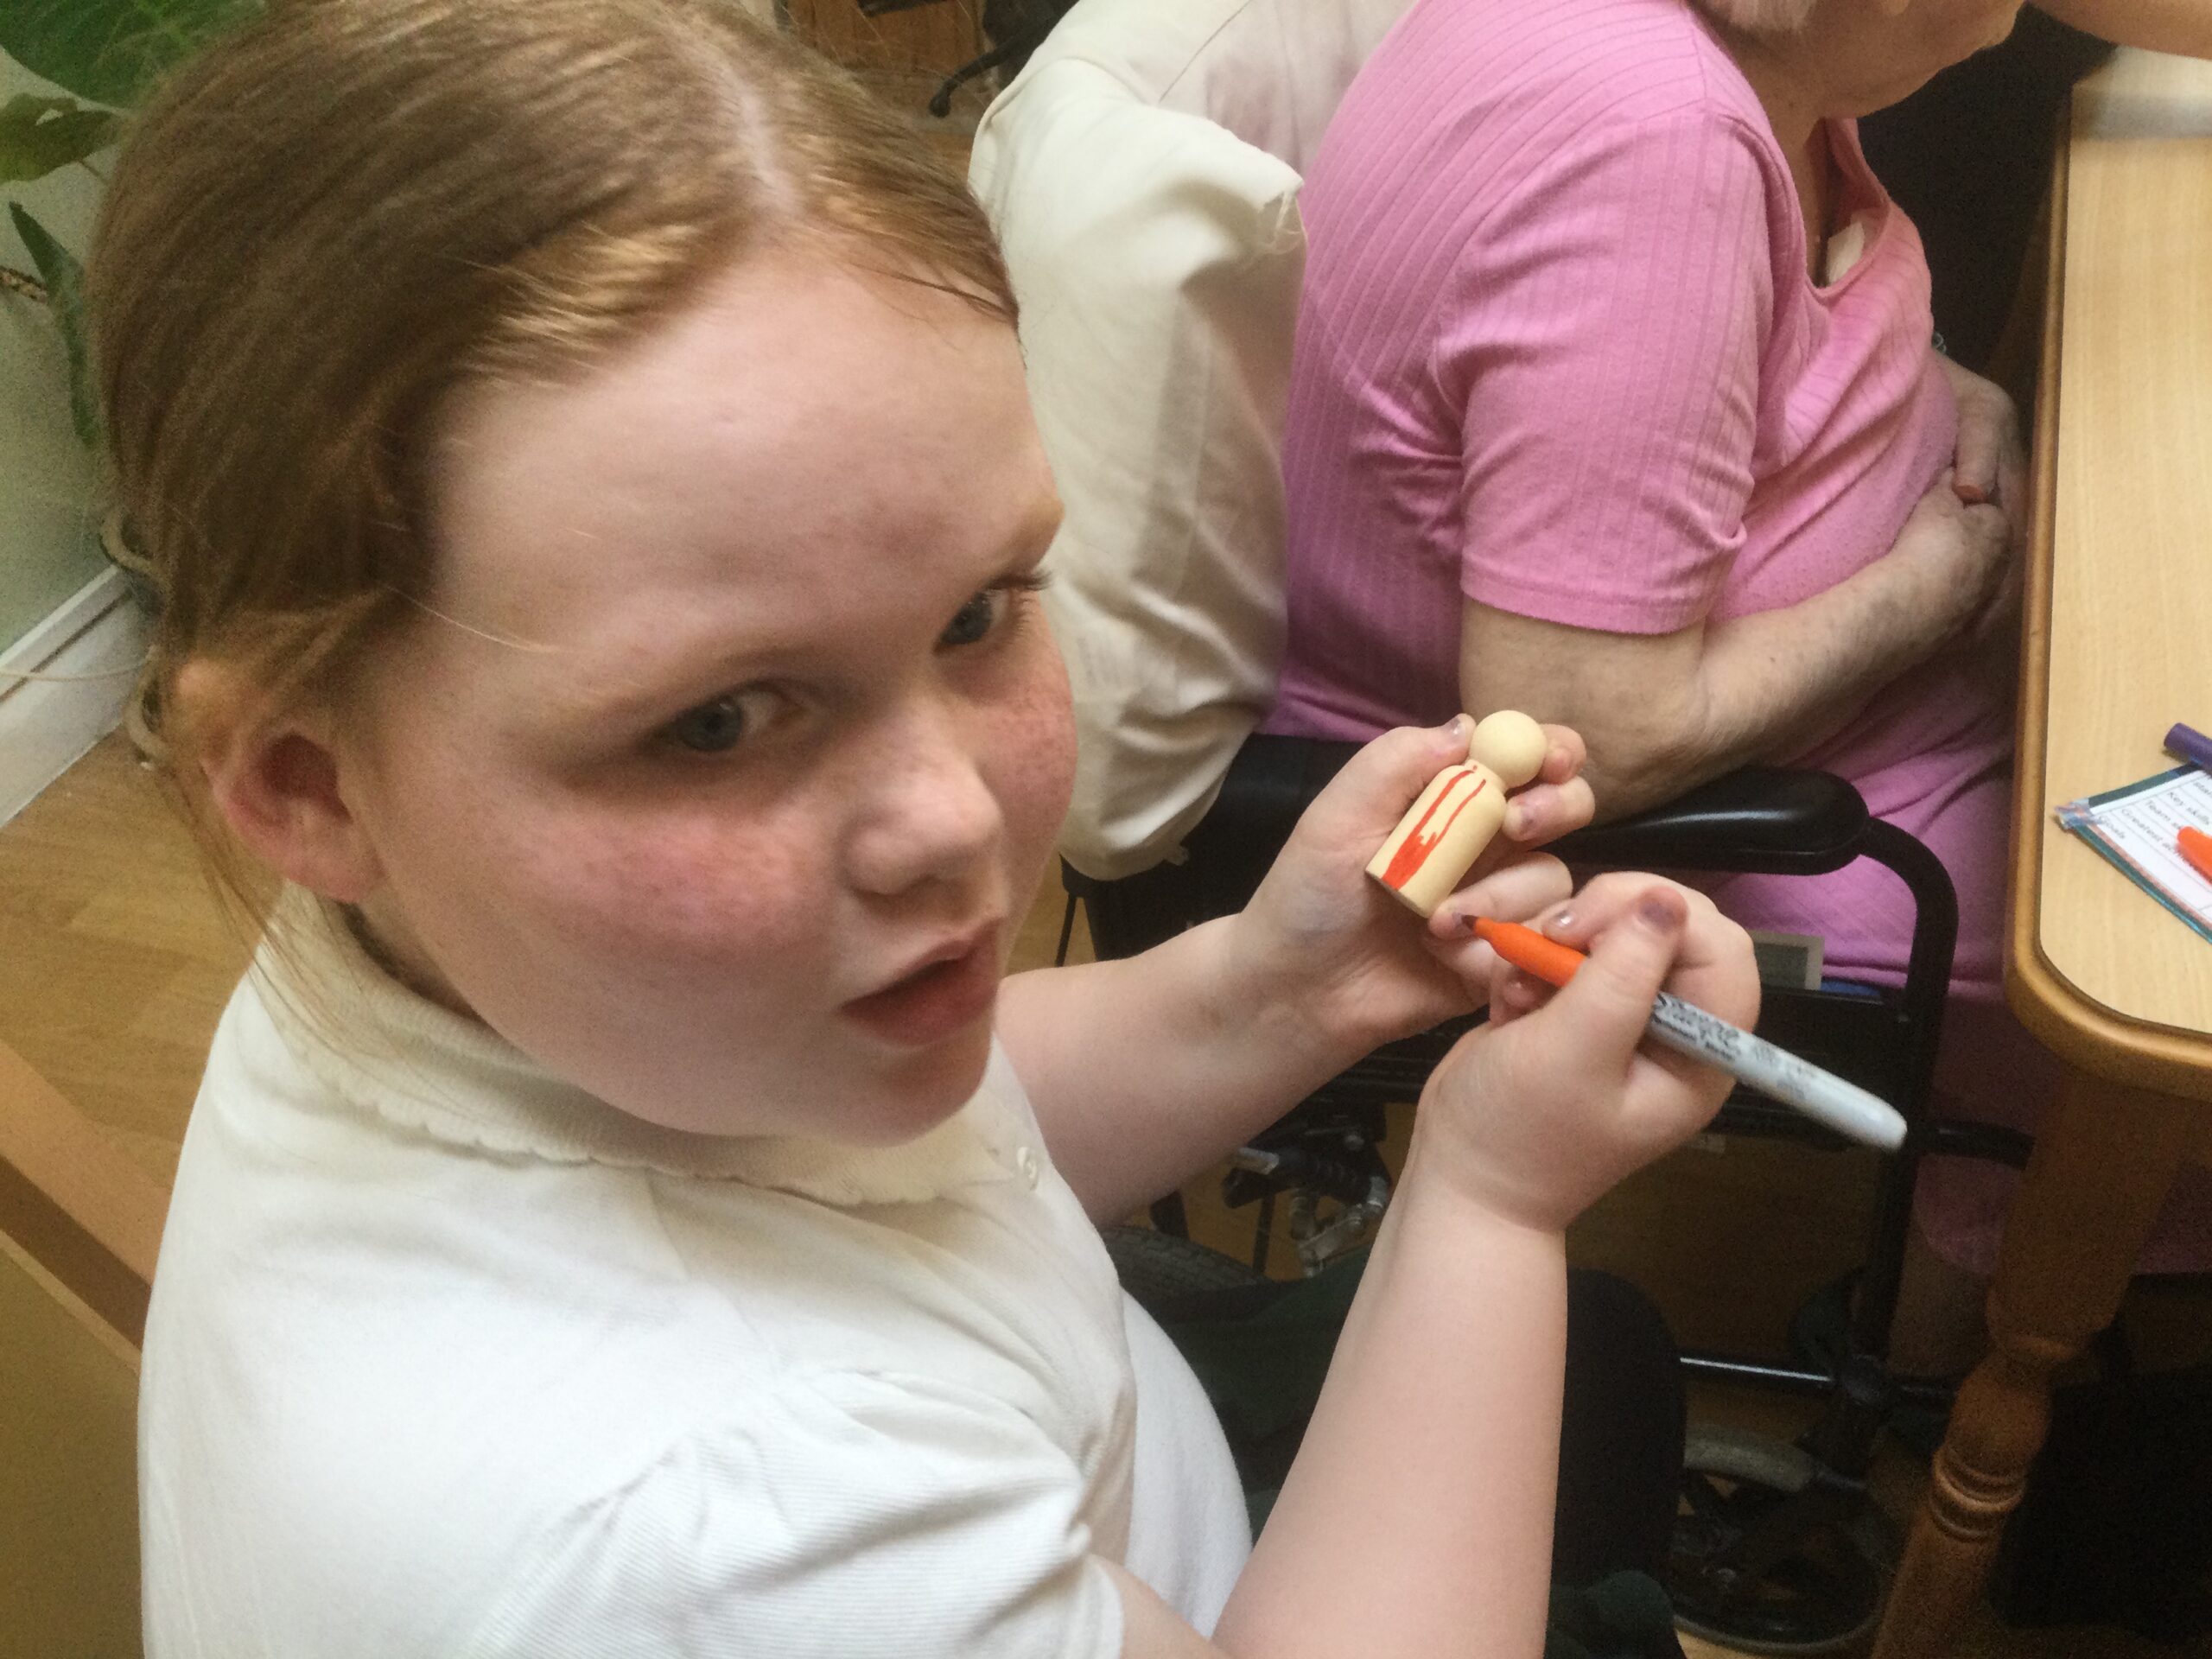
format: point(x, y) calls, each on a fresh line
point(1414, 851)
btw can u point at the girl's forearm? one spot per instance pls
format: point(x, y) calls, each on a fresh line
point(1428, 1473)
point(1147, 1069)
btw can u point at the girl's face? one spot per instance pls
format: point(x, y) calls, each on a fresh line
point(731, 745)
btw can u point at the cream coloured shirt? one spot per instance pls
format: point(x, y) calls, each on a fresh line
point(448, 1357)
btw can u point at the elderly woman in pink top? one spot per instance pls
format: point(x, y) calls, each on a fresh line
point(1615, 400)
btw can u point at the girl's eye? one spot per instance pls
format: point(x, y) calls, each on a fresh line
point(720, 725)
point(711, 727)
point(992, 608)
point(975, 619)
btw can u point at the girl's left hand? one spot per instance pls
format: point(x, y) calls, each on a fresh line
point(1358, 967)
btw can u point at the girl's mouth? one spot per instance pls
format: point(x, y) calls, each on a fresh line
point(935, 1002)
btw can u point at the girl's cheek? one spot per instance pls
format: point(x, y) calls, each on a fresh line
point(692, 887)
point(1037, 746)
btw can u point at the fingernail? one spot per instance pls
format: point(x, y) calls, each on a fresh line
point(1973, 494)
point(1660, 912)
point(1560, 923)
point(1459, 728)
point(1516, 822)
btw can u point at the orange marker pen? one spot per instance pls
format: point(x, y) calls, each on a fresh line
point(1822, 1096)
point(1530, 951)
point(2196, 846)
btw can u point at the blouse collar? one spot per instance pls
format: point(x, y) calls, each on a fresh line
point(384, 1049)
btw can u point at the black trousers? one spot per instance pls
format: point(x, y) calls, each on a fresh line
point(1620, 1455)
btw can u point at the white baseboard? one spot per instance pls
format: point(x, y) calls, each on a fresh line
point(92, 646)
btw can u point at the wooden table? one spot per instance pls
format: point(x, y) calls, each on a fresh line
point(2117, 646)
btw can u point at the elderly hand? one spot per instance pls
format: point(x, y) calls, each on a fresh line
point(1961, 559)
point(1992, 463)
point(1992, 467)
point(1360, 969)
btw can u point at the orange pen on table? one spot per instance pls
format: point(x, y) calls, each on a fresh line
point(1686, 1029)
point(2196, 846)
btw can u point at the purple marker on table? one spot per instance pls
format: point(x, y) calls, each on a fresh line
point(2192, 747)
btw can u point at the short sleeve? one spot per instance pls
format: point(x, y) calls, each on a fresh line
point(860, 1516)
point(1605, 337)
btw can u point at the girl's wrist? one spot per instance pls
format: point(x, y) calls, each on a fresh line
point(1270, 996)
point(1449, 1184)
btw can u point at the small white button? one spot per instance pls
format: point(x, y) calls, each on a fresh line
point(1026, 1162)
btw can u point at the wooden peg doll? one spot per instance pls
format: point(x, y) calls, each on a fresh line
point(1444, 831)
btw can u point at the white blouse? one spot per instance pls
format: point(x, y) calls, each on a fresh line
point(446, 1357)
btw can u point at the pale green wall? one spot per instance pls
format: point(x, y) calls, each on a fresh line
point(46, 545)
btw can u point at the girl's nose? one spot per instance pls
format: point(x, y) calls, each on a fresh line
point(926, 812)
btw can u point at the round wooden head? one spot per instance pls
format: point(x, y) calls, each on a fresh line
point(1512, 745)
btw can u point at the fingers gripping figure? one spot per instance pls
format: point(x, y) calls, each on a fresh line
point(1445, 831)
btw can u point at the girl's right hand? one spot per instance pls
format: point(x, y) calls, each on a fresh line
point(1535, 1115)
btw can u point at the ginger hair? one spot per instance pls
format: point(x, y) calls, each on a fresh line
point(335, 218)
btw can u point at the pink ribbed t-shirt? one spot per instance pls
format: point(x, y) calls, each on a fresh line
point(1558, 352)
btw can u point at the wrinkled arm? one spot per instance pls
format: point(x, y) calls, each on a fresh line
point(1663, 713)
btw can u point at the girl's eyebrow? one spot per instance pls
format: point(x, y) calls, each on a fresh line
point(736, 658)
point(635, 695)
point(631, 685)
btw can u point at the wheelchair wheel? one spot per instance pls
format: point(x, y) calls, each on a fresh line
point(1159, 1270)
point(1821, 1594)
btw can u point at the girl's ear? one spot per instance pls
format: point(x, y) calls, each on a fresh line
point(275, 782)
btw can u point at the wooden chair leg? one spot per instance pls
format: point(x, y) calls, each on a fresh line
point(2103, 1164)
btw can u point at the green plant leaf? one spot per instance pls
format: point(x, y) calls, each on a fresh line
point(65, 289)
point(40, 134)
point(110, 51)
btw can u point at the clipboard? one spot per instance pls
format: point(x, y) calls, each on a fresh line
point(2134, 827)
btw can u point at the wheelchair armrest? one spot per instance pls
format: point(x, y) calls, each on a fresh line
point(1770, 820)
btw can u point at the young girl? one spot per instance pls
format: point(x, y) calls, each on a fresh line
point(585, 453)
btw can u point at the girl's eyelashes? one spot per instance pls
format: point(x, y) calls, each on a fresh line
point(983, 615)
point(720, 724)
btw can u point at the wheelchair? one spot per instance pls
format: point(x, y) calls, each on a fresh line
point(1778, 1547)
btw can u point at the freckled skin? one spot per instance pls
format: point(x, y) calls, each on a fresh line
point(799, 483)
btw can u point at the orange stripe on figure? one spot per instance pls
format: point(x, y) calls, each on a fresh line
point(1414, 851)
